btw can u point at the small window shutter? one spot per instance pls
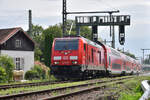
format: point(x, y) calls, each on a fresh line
point(22, 63)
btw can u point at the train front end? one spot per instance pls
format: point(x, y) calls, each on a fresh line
point(65, 58)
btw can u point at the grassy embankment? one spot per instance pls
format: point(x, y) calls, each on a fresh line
point(131, 90)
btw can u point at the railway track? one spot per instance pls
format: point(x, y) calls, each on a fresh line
point(35, 95)
point(4, 87)
point(77, 94)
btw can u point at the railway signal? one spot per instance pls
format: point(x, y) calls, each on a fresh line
point(113, 20)
point(95, 21)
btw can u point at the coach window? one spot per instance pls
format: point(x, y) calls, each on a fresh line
point(124, 64)
point(109, 61)
point(99, 57)
point(92, 55)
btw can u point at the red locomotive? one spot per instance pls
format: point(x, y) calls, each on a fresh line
point(74, 57)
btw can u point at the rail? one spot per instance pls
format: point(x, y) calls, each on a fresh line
point(4, 87)
point(37, 94)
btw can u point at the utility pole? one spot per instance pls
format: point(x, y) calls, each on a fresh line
point(143, 53)
point(30, 23)
point(112, 31)
point(64, 17)
point(113, 37)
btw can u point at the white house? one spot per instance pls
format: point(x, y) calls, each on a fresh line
point(15, 43)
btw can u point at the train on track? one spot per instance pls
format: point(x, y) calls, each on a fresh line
point(78, 57)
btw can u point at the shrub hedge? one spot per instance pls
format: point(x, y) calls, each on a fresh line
point(35, 73)
point(6, 68)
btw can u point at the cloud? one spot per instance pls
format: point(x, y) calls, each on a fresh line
point(41, 8)
point(48, 12)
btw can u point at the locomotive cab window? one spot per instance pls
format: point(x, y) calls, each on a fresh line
point(71, 44)
point(84, 47)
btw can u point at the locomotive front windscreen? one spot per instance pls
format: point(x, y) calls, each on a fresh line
point(66, 44)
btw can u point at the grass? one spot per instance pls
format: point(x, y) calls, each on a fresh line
point(52, 78)
point(37, 88)
point(131, 90)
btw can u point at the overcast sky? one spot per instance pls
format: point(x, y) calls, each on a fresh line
point(14, 13)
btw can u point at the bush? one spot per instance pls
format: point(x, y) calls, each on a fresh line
point(35, 73)
point(133, 94)
point(31, 74)
point(7, 63)
point(2, 75)
point(41, 72)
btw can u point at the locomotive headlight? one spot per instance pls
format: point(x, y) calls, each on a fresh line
point(74, 62)
point(73, 57)
point(57, 57)
point(56, 62)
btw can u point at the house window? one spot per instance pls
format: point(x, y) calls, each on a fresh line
point(18, 43)
point(19, 62)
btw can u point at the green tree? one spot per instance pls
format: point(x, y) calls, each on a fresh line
point(47, 49)
point(38, 53)
point(38, 38)
point(86, 32)
point(7, 63)
point(37, 30)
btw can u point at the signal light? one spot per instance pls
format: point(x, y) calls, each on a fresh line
point(122, 34)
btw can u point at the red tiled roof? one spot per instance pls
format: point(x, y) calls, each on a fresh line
point(5, 34)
